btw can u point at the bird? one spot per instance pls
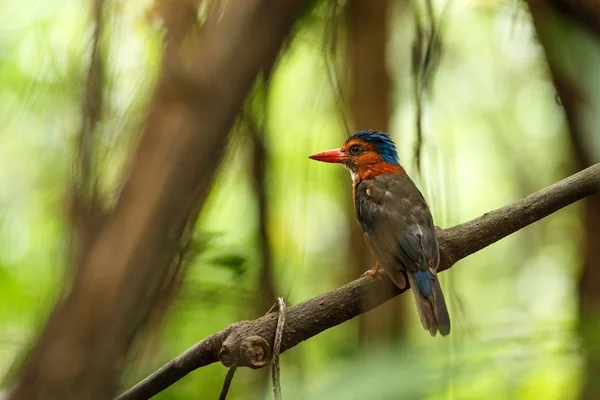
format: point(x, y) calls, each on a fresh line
point(396, 222)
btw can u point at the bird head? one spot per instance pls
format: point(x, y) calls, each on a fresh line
point(365, 150)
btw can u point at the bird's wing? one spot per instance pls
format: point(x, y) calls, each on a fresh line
point(399, 230)
point(397, 223)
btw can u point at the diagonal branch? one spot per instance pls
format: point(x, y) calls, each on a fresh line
point(248, 343)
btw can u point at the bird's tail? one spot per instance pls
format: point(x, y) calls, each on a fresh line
point(430, 302)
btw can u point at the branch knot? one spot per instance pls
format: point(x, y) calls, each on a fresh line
point(252, 351)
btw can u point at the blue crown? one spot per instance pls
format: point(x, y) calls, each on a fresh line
point(384, 146)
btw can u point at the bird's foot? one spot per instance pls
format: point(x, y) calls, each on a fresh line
point(374, 272)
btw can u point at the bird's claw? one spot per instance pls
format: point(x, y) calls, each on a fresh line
point(374, 272)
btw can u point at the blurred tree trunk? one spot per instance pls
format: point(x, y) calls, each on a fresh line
point(370, 92)
point(569, 31)
point(82, 348)
point(589, 297)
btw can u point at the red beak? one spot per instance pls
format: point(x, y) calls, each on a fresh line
point(329, 156)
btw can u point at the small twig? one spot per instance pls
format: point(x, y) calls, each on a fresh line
point(257, 132)
point(92, 102)
point(227, 383)
point(330, 51)
point(86, 211)
point(277, 348)
point(426, 54)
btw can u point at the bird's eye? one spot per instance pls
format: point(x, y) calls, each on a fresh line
point(355, 150)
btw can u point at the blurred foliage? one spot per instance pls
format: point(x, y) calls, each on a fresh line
point(493, 133)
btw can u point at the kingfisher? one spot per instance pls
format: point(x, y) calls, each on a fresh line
point(395, 220)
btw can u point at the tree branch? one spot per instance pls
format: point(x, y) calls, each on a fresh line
point(248, 343)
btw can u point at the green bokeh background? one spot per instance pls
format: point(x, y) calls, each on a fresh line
point(494, 133)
